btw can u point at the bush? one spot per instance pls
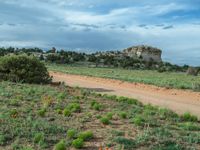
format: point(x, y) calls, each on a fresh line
point(105, 120)
point(41, 112)
point(109, 115)
point(74, 107)
point(60, 145)
point(71, 133)
point(138, 120)
point(188, 117)
point(23, 69)
point(123, 115)
point(78, 143)
point(39, 137)
point(86, 135)
point(66, 112)
point(96, 106)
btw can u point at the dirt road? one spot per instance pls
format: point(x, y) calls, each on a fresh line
point(178, 100)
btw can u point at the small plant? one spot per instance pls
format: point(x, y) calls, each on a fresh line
point(13, 113)
point(39, 137)
point(96, 106)
point(109, 115)
point(74, 107)
point(86, 135)
point(59, 111)
point(61, 96)
point(71, 133)
point(41, 112)
point(123, 115)
point(78, 143)
point(105, 120)
point(60, 145)
point(190, 126)
point(67, 112)
point(189, 117)
point(138, 120)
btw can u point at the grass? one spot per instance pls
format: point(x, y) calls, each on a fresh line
point(166, 79)
point(35, 117)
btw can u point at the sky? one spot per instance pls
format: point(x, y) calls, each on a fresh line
point(100, 25)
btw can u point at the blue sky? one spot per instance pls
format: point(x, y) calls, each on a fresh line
point(172, 25)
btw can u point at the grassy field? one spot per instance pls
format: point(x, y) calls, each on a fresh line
point(46, 117)
point(166, 79)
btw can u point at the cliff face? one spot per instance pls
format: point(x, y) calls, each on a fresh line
point(147, 53)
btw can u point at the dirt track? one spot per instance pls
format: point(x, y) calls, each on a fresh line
point(178, 100)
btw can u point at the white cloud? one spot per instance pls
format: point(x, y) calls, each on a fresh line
point(98, 24)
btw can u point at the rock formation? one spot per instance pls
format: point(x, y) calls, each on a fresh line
point(146, 53)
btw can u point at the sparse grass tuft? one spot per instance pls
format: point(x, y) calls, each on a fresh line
point(60, 145)
point(105, 120)
point(78, 143)
point(71, 133)
point(189, 117)
point(86, 135)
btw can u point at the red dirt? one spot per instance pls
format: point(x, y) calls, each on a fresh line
point(180, 101)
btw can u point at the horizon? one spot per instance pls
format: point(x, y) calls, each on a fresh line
point(171, 25)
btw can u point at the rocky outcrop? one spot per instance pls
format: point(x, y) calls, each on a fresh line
point(146, 53)
point(193, 71)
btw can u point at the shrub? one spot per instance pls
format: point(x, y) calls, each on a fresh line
point(109, 115)
point(78, 143)
point(74, 107)
point(66, 112)
point(24, 69)
point(60, 145)
point(41, 112)
point(188, 117)
point(96, 106)
point(86, 135)
point(196, 86)
point(105, 120)
point(190, 126)
point(59, 111)
point(138, 120)
point(123, 115)
point(39, 137)
point(71, 133)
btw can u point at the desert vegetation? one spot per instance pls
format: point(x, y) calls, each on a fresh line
point(60, 118)
point(21, 68)
point(108, 59)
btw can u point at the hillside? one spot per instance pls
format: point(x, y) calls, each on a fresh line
point(38, 117)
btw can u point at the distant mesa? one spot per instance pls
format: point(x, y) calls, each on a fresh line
point(144, 52)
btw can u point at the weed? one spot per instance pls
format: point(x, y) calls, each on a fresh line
point(71, 133)
point(86, 135)
point(74, 107)
point(109, 115)
point(61, 96)
point(61, 145)
point(189, 126)
point(78, 143)
point(42, 112)
point(105, 120)
point(123, 115)
point(67, 112)
point(59, 111)
point(39, 137)
point(189, 117)
point(138, 120)
point(127, 143)
point(96, 106)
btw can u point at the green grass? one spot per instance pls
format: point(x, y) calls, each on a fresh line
point(123, 122)
point(166, 79)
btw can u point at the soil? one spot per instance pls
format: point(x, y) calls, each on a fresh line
point(180, 101)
